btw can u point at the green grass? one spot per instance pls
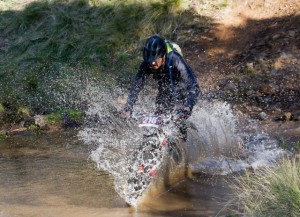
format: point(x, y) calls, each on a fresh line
point(271, 192)
point(49, 41)
point(55, 118)
point(222, 5)
point(71, 31)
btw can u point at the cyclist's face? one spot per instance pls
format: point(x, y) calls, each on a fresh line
point(157, 63)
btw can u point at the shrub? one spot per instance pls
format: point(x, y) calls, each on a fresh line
point(273, 192)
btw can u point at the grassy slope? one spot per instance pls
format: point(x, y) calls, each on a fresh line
point(49, 40)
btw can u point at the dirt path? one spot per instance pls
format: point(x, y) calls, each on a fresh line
point(232, 32)
point(249, 55)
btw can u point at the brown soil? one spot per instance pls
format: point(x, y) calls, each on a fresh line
point(249, 56)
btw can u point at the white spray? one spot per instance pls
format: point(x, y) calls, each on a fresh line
point(216, 141)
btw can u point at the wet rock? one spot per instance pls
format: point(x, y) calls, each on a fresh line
point(262, 116)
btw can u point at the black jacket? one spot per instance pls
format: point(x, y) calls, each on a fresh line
point(185, 89)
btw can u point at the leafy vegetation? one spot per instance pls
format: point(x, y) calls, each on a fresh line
point(270, 192)
point(49, 43)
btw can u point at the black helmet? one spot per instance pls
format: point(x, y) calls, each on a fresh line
point(155, 47)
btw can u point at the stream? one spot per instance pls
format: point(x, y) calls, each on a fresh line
point(52, 175)
point(84, 172)
point(80, 172)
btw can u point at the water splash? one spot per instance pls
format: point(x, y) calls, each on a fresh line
point(114, 138)
point(222, 142)
point(219, 141)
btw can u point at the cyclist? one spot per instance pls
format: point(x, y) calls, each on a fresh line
point(178, 88)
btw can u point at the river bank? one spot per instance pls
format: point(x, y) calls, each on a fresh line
point(245, 54)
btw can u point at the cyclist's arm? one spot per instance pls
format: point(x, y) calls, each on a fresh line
point(190, 81)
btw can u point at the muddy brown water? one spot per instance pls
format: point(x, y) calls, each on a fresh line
point(51, 175)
